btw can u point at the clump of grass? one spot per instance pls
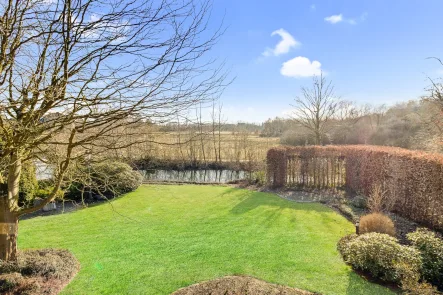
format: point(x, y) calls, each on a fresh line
point(378, 223)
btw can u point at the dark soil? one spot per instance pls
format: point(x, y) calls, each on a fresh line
point(239, 285)
point(38, 272)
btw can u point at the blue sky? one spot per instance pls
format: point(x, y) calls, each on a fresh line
point(374, 51)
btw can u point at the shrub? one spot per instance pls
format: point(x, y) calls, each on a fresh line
point(378, 223)
point(376, 198)
point(28, 184)
point(382, 256)
point(431, 250)
point(45, 189)
point(258, 177)
point(421, 289)
point(359, 202)
point(343, 244)
point(108, 178)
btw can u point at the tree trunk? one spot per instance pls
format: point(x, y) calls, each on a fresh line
point(8, 216)
point(8, 232)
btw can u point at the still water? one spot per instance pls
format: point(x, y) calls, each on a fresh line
point(199, 176)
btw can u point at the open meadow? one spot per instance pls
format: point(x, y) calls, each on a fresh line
point(191, 146)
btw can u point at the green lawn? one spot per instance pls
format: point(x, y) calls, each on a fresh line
point(160, 238)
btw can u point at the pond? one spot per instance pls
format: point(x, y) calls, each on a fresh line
point(196, 176)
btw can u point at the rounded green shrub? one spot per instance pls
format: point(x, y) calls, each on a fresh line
point(382, 256)
point(343, 244)
point(107, 178)
point(431, 250)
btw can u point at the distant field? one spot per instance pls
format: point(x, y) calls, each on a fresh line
point(188, 146)
point(161, 238)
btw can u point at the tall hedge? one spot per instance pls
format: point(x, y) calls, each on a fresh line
point(413, 179)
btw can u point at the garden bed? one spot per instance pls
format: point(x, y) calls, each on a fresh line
point(231, 285)
point(38, 272)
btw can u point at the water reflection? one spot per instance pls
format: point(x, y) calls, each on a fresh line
point(199, 176)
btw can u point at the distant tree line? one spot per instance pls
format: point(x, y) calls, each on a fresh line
point(405, 125)
point(321, 117)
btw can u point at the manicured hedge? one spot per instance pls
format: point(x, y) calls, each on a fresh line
point(414, 180)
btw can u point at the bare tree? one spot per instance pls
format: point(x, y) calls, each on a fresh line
point(78, 74)
point(220, 123)
point(202, 134)
point(434, 118)
point(347, 116)
point(377, 113)
point(217, 122)
point(213, 124)
point(316, 107)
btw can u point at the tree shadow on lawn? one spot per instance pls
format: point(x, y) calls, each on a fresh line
point(249, 200)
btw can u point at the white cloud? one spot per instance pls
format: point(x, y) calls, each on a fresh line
point(338, 18)
point(334, 19)
point(313, 7)
point(300, 67)
point(286, 43)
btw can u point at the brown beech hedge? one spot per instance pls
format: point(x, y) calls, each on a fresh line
point(413, 180)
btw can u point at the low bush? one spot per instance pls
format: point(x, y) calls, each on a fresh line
point(43, 193)
point(342, 245)
point(421, 289)
point(359, 202)
point(431, 250)
point(258, 177)
point(378, 223)
point(107, 178)
point(383, 257)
